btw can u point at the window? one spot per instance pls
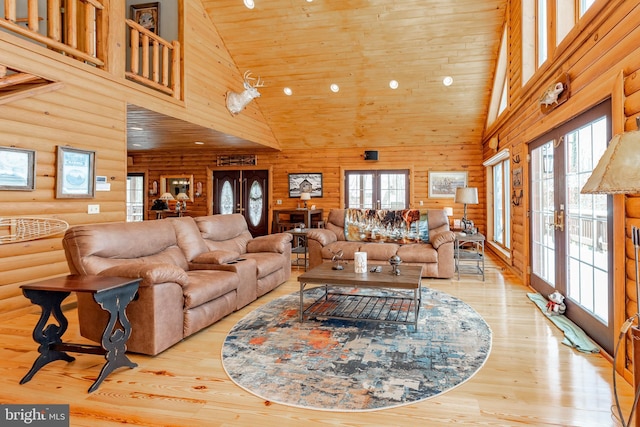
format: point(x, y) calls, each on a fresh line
point(384, 189)
point(500, 91)
point(499, 200)
point(135, 197)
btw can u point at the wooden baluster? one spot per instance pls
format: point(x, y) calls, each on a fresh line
point(176, 69)
point(33, 15)
point(156, 61)
point(89, 29)
point(71, 16)
point(10, 10)
point(54, 20)
point(135, 49)
point(145, 55)
point(165, 65)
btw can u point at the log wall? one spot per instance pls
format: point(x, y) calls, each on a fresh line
point(89, 112)
point(598, 55)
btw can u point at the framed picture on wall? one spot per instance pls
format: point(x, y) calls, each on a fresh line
point(75, 177)
point(443, 184)
point(305, 183)
point(17, 169)
point(147, 15)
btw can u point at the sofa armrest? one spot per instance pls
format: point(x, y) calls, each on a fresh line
point(322, 236)
point(278, 242)
point(439, 239)
point(150, 273)
point(216, 257)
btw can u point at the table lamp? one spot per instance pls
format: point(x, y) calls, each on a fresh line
point(182, 198)
point(304, 197)
point(467, 196)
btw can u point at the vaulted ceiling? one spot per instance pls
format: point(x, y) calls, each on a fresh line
point(361, 45)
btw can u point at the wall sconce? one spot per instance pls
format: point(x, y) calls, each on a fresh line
point(449, 212)
point(198, 189)
point(305, 197)
point(154, 188)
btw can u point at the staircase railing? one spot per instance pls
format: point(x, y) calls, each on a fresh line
point(154, 62)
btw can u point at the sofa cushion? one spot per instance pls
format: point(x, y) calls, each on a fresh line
point(348, 249)
point(379, 251)
point(418, 252)
point(207, 285)
point(150, 273)
point(266, 262)
point(335, 223)
point(216, 257)
point(226, 232)
point(188, 237)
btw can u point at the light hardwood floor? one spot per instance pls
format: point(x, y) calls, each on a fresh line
point(530, 378)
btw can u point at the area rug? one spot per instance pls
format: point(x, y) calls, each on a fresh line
point(341, 365)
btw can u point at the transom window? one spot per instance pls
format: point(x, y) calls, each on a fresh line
point(377, 189)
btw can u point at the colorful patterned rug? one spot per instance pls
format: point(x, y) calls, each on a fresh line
point(338, 365)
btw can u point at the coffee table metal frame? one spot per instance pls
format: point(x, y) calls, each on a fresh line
point(360, 306)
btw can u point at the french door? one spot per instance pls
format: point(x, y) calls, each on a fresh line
point(244, 192)
point(570, 245)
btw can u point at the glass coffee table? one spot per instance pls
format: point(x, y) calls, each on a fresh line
point(397, 302)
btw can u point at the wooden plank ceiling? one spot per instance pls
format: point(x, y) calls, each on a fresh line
point(361, 45)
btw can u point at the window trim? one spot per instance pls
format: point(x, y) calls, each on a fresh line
point(501, 156)
point(378, 166)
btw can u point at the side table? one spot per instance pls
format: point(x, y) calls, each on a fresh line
point(299, 245)
point(113, 294)
point(469, 253)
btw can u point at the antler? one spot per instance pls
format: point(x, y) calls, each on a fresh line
point(247, 77)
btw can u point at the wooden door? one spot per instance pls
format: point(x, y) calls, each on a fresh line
point(244, 192)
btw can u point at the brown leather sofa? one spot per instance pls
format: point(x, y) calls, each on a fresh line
point(436, 256)
point(194, 272)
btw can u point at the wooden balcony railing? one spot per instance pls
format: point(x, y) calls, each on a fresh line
point(77, 31)
point(80, 39)
point(160, 60)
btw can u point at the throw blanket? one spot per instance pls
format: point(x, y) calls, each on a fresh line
point(383, 225)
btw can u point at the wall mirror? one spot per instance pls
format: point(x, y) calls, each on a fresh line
point(176, 184)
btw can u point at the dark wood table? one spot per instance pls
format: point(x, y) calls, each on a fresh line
point(354, 306)
point(113, 294)
point(307, 215)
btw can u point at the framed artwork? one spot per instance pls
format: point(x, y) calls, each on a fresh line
point(517, 177)
point(147, 15)
point(75, 177)
point(443, 184)
point(305, 183)
point(17, 169)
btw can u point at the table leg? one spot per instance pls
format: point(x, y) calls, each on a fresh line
point(52, 334)
point(301, 301)
point(114, 339)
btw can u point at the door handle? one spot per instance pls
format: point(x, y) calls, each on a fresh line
point(558, 220)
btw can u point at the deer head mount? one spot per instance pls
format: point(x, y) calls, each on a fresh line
point(237, 101)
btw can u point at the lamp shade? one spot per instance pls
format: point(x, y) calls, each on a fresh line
point(466, 195)
point(182, 197)
point(617, 171)
point(166, 196)
point(448, 211)
point(305, 196)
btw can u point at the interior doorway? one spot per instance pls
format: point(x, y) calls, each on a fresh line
point(245, 192)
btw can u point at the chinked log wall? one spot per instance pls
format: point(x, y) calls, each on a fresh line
point(598, 56)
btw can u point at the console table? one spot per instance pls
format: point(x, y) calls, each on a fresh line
point(309, 216)
point(113, 294)
point(469, 253)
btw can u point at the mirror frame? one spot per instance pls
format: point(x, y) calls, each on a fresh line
point(164, 187)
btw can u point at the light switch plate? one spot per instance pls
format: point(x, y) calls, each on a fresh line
point(93, 209)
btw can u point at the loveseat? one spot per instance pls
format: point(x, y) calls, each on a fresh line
point(435, 255)
point(194, 272)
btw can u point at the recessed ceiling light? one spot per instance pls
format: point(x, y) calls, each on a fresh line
point(447, 81)
point(309, 1)
point(249, 3)
point(199, 143)
point(393, 84)
point(335, 87)
point(287, 91)
point(135, 128)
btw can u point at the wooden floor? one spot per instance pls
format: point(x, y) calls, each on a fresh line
point(530, 378)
